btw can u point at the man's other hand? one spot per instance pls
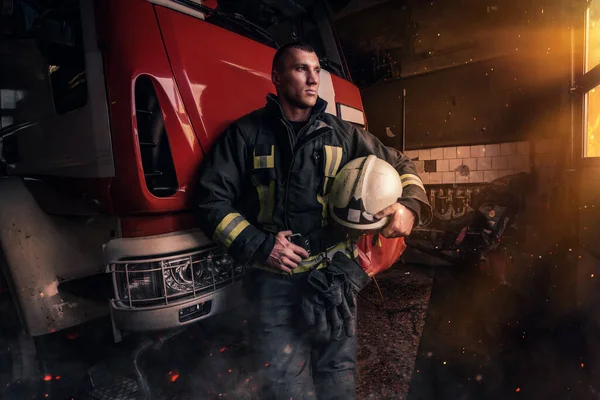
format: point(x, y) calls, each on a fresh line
point(285, 255)
point(400, 223)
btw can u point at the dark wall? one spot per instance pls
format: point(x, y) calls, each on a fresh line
point(506, 99)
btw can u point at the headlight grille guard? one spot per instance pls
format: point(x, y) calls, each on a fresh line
point(172, 280)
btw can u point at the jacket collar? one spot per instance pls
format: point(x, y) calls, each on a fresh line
point(273, 106)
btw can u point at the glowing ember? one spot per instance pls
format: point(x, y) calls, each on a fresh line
point(518, 390)
point(48, 378)
point(222, 349)
point(582, 365)
point(173, 376)
point(229, 371)
point(57, 377)
point(267, 364)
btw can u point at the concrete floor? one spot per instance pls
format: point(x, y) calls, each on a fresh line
point(210, 361)
point(440, 333)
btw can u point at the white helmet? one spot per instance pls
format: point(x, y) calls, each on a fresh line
point(362, 188)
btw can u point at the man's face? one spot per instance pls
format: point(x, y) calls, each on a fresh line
point(298, 80)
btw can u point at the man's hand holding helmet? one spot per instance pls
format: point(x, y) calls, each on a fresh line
point(400, 221)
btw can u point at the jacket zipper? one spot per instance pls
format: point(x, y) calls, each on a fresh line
point(287, 178)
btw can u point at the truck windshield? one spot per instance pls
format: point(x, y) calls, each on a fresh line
point(275, 23)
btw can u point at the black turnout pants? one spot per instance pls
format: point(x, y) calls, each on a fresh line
point(290, 363)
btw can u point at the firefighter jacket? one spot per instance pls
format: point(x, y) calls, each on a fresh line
point(261, 178)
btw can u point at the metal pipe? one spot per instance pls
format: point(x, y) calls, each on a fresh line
point(403, 120)
point(572, 101)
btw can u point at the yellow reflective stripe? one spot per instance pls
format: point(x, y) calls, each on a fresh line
point(333, 159)
point(229, 229)
point(265, 161)
point(266, 198)
point(323, 201)
point(235, 232)
point(411, 179)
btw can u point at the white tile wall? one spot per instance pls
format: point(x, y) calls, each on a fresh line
point(489, 176)
point(506, 149)
point(485, 162)
point(505, 172)
point(442, 165)
point(476, 177)
point(499, 162)
point(412, 154)
point(471, 163)
point(449, 177)
point(492, 150)
point(478, 151)
point(455, 163)
point(449, 152)
point(435, 178)
point(437, 153)
point(461, 179)
point(420, 165)
point(463, 152)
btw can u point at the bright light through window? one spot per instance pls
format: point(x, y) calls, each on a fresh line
point(592, 126)
point(593, 35)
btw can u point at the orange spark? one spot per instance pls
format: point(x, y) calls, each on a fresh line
point(518, 390)
point(57, 377)
point(582, 365)
point(174, 375)
point(223, 349)
point(48, 378)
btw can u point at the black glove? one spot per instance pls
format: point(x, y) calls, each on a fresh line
point(334, 297)
point(356, 280)
point(320, 301)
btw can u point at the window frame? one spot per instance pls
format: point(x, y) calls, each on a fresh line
point(586, 82)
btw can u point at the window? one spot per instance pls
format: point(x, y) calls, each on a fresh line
point(279, 22)
point(592, 123)
point(592, 29)
point(56, 30)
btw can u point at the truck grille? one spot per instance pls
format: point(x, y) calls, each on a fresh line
point(171, 280)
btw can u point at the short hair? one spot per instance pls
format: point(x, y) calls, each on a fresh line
point(283, 50)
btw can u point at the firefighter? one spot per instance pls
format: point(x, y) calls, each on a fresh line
point(263, 191)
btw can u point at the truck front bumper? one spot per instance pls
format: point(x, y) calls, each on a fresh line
point(168, 317)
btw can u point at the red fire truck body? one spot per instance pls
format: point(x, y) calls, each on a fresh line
point(108, 108)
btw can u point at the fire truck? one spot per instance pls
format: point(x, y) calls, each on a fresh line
point(107, 110)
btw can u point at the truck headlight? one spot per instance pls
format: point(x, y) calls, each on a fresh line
point(141, 282)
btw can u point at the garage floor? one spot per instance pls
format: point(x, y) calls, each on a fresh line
point(440, 333)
